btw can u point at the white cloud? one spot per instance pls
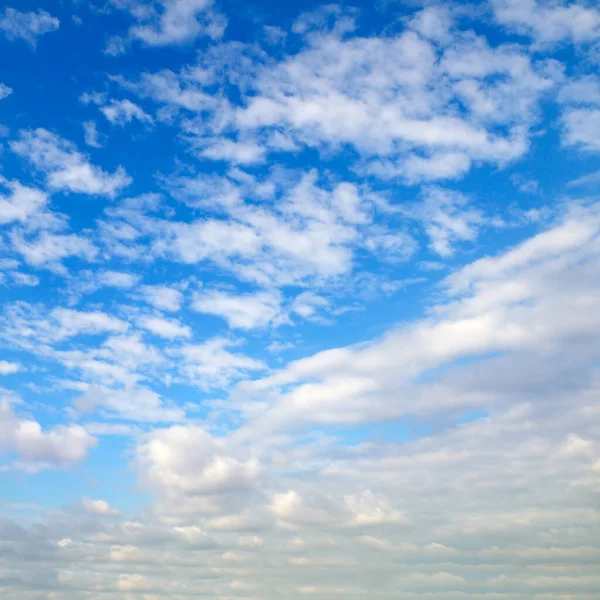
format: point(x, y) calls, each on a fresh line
point(98, 507)
point(352, 510)
point(582, 91)
point(402, 113)
point(169, 22)
point(242, 311)
point(165, 328)
point(28, 26)
point(243, 153)
point(117, 279)
point(74, 322)
point(5, 91)
point(510, 303)
point(582, 128)
point(9, 368)
point(549, 22)
point(415, 169)
point(211, 365)
point(411, 459)
point(434, 23)
point(581, 112)
point(447, 219)
point(24, 279)
point(65, 167)
point(133, 403)
point(48, 249)
point(91, 135)
point(22, 204)
point(307, 304)
point(162, 297)
point(301, 231)
point(121, 112)
point(60, 446)
point(590, 179)
point(189, 461)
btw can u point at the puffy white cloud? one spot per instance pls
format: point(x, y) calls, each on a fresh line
point(36, 448)
point(168, 22)
point(582, 128)
point(351, 510)
point(121, 112)
point(22, 204)
point(301, 232)
point(165, 328)
point(117, 279)
point(74, 322)
point(162, 297)
point(28, 26)
point(447, 219)
point(243, 153)
point(243, 311)
point(581, 112)
point(91, 135)
point(550, 22)
point(47, 250)
point(97, 507)
point(390, 97)
point(9, 368)
point(307, 304)
point(65, 167)
point(188, 460)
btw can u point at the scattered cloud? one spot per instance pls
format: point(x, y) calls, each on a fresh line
point(331, 344)
point(28, 26)
point(9, 368)
point(98, 507)
point(65, 168)
point(241, 311)
point(168, 22)
point(91, 134)
point(5, 91)
point(38, 449)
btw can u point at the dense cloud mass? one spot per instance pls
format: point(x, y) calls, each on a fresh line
point(300, 302)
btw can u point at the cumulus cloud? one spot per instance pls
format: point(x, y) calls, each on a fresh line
point(168, 22)
point(9, 368)
point(121, 112)
point(97, 507)
point(22, 204)
point(166, 328)
point(66, 168)
point(28, 26)
point(162, 297)
point(550, 22)
point(48, 250)
point(36, 448)
point(580, 99)
point(243, 311)
point(91, 135)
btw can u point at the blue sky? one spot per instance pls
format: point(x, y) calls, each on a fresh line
point(303, 295)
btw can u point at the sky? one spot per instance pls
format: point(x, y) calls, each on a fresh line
point(299, 300)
